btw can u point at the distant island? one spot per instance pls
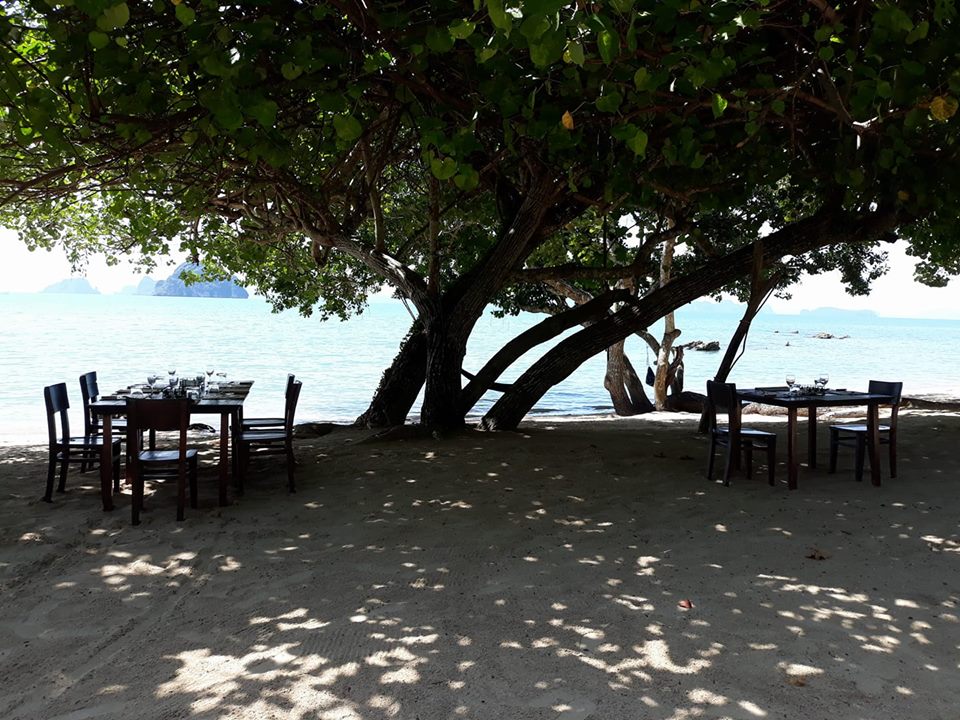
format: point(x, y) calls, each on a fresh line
point(144, 287)
point(72, 286)
point(174, 286)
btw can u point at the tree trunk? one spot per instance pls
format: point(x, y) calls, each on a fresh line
point(543, 331)
point(670, 332)
point(829, 227)
point(446, 346)
point(623, 384)
point(448, 328)
point(400, 383)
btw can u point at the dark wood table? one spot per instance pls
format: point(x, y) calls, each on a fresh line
point(832, 398)
point(228, 405)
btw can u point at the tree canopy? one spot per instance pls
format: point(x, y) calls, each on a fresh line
point(319, 148)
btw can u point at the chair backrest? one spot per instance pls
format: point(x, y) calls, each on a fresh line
point(893, 389)
point(165, 414)
point(56, 402)
point(290, 378)
point(293, 396)
point(720, 396)
point(90, 392)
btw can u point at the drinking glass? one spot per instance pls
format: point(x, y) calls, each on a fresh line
point(822, 379)
point(790, 380)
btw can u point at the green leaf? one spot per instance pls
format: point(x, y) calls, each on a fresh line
point(348, 127)
point(264, 112)
point(608, 43)
point(443, 169)
point(467, 179)
point(918, 33)
point(291, 71)
point(638, 143)
point(609, 102)
point(185, 14)
point(574, 53)
point(98, 39)
point(719, 104)
point(498, 16)
point(462, 29)
point(641, 78)
point(485, 54)
point(114, 17)
point(826, 53)
point(542, 7)
point(439, 40)
point(778, 106)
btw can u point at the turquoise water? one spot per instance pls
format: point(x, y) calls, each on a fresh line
point(56, 338)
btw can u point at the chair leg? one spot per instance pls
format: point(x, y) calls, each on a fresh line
point(861, 451)
point(242, 459)
point(181, 493)
point(732, 453)
point(771, 460)
point(834, 446)
point(893, 455)
point(116, 473)
point(62, 485)
point(713, 452)
point(51, 471)
point(290, 464)
point(193, 483)
point(748, 451)
point(136, 503)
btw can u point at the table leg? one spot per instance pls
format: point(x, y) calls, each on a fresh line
point(735, 423)
point(812, 437)
point(792, 463)
point(873, 441)
point(224, 454)
point(106, 464)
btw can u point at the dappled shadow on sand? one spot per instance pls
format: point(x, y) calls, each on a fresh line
point(544, 575)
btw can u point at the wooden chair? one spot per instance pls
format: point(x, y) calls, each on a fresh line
point(724, 395)
point(90, 392)
point(266, 423)
point(266, 442)
point(160, 415)
point(855, 435)
point(65, 449)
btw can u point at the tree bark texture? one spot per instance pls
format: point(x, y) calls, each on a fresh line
point(623, 384)
point(543, 331)
point(400, 383)
point(825, 228)
point(448, 326)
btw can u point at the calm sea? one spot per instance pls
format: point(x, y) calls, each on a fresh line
point(51, 338)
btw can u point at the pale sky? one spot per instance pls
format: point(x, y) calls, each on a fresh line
point(894, 295)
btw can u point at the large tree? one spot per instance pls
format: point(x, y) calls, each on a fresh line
point(318, 148)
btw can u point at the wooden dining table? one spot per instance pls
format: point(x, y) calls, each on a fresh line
point(227, 403)
point(780, 397)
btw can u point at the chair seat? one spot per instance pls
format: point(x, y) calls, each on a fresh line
point(90, 441)
point(747, 433)
point(858, 428)
point(156, 456)
point(251, 423)
point(257, 436)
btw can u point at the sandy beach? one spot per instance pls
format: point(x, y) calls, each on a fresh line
point(579, 569)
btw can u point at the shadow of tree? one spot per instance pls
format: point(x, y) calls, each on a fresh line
point(540, 575)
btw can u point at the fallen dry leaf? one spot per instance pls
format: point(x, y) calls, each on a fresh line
point(797, 680)
point(685, 604)
point(816, 554)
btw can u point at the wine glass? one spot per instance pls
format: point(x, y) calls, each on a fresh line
point(152, 381)
point(790, 379)
point(822, 379)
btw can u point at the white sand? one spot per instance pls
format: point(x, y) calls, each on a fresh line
point(531, 576)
